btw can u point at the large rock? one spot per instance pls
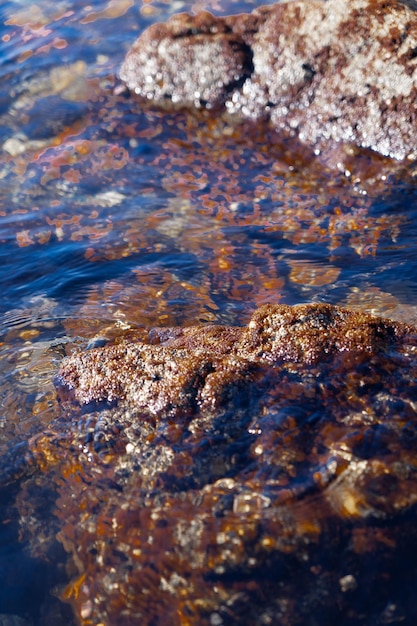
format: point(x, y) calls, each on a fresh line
point(216, 475)
point(324, 71)
point(223, 475)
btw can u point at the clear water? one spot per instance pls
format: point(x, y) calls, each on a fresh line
point(112, 216)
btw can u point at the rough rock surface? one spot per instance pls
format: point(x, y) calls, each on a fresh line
point(222, 475)
point(324, 71)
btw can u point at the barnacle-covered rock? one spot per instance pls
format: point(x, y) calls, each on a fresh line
point(334, 71)
point(214, 61)
point(201, 475)
point(224, 475)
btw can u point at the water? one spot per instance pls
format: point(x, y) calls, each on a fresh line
point(112, 216)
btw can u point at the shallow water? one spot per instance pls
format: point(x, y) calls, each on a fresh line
point(115, 216)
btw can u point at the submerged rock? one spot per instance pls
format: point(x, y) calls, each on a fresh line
point(323, 71)
point(224, 475)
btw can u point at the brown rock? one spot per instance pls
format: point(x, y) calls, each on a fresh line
point(326, 72)
point(223, 475)
point(238, 458)
point(173, 375)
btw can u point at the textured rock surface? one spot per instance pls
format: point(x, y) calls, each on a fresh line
point(335, 71)
point(223, 475)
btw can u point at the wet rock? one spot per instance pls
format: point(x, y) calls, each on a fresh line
point(174, 372)
point(327, 72)
point(223, 475)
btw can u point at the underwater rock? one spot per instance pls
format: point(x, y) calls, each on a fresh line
point(222, 475)
point(254, 475)
point(336, 71)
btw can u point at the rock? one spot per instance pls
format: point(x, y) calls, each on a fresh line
point(184, 51)
point(222, 475)
point(335, 71)
point(174, 373)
